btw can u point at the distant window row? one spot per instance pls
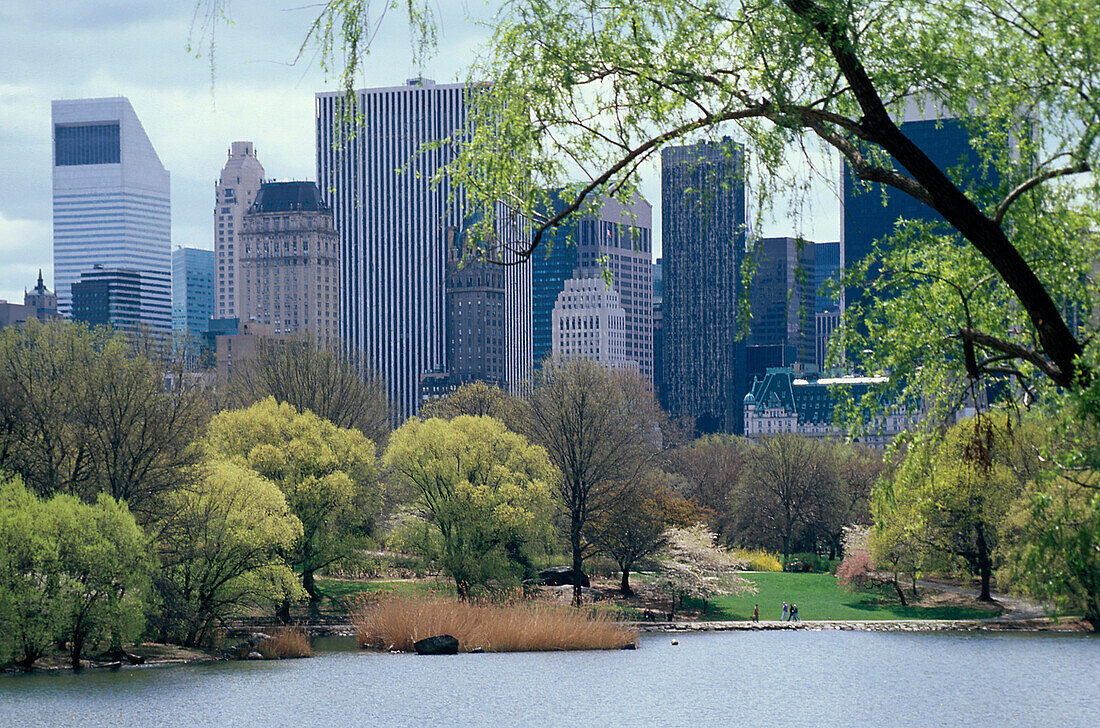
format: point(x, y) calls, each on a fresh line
point(86, 144)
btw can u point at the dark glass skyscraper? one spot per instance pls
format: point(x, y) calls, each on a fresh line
point(703, 219)
point(871, 211)
point(781, 298)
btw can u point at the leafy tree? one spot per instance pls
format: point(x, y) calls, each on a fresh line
point(693, 566)
point(1056, 550)
point(486, 491)
point(785, 483)
point(224, 551)
point(636, 526)
point(335, 386)
point(477, 399)
point(712, 467)
point(29, 609)
point(600, 427)
point(103, 567)
point(326, 473)
point(87, 412)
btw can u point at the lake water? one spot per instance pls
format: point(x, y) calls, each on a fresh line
point(797, 678)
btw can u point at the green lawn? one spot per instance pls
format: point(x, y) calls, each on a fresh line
point(818, 596)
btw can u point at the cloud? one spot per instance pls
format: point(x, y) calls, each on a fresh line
point(25, 246)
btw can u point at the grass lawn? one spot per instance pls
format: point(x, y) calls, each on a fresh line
point(818, 596)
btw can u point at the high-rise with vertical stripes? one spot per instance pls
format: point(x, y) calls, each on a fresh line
point(111, 203)
point(376, 175)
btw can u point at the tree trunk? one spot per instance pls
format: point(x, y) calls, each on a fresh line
point(310, 585)
point(985, 565)
point(578, 563)
point(624, 584)
point(898, 589)
point(77, 648)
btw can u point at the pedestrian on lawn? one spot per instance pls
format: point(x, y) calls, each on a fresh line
point(785, 613)
point(794, 613)
point(756, 612)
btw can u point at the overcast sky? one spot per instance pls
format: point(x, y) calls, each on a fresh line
point(70, 49)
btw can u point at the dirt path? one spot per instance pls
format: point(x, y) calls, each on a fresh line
point(1015, 608)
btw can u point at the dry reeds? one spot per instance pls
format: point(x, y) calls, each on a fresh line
point(286, 642)
point(396, 623)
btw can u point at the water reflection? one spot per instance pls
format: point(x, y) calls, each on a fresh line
point(744, 678)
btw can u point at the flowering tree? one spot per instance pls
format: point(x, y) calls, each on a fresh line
point(692, 566)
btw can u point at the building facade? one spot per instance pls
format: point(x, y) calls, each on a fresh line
point(234, 193)
point(393, 224)
point(781, 402)
point(782, 299)
point(192, 290)
point(125, 299)
point(620, 236)
point(589, 322)
point(703, 223)
point(111, 201)
point(476, 296)
point(289, 263)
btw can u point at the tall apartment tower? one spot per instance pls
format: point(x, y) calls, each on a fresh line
point(111, 201)
point(192, 290)
point(234, 193)
point(137, 301)
point(703, 219)
point(589, 322)
point(619, 234)
point(289, 262)
point(393, 224)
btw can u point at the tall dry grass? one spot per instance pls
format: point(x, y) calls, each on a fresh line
point(395, 623)
point(286, 642)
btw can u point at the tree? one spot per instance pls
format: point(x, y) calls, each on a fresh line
point(780, 497)
point(693, 566)
point(335, 386)
point(848, 503)
point(224, 551)
point(1055, 553)
point(477, 399)
point(326, 473)
point(486, 491)
point(951, 496)
point(636, 525)
point(600, 427)
point(712, 467)
point(87, 413)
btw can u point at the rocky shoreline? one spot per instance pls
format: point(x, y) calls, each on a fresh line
point(924, 625)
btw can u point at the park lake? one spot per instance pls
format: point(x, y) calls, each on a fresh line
point(779, 678)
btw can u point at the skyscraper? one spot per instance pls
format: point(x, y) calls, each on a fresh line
point(620, 235)
point(234, 193)
point(589, 322)
point(782, 300)
point(192, 290)
point(138, 301)
point(393, 225)
point(703, 222)
point(869, 212)
point(289, 262)
point(111, 202)
point(826, 268)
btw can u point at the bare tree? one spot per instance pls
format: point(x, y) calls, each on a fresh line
point(600, 427)
point(780, 494)
point(712, 467)
point(336, 386)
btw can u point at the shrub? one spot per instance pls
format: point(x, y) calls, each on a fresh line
point(856, 569)
point(286, 642)
point(816, 564)
point(395, 623)
point(758, 559)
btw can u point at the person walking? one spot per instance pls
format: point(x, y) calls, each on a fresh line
point(756, 612)
point(794, 613)
point(784, 617)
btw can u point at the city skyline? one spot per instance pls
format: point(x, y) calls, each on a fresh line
point(193, 111)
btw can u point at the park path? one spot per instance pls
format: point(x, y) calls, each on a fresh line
point(1015, 607)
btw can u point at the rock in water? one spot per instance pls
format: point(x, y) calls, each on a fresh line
point(441, 644)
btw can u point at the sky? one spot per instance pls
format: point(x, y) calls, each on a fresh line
point(258, 90)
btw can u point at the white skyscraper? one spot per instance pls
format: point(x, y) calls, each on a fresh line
point(111, 202)
point(234, 193)
point(393, 221)
point(589, 322)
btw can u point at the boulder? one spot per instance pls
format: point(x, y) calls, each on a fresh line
point(560, 576)
point(254, 656)
point(441, 644)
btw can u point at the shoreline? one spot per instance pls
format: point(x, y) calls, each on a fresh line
point(1043, 624)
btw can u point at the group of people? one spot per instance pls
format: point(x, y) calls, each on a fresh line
point(790, 613)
